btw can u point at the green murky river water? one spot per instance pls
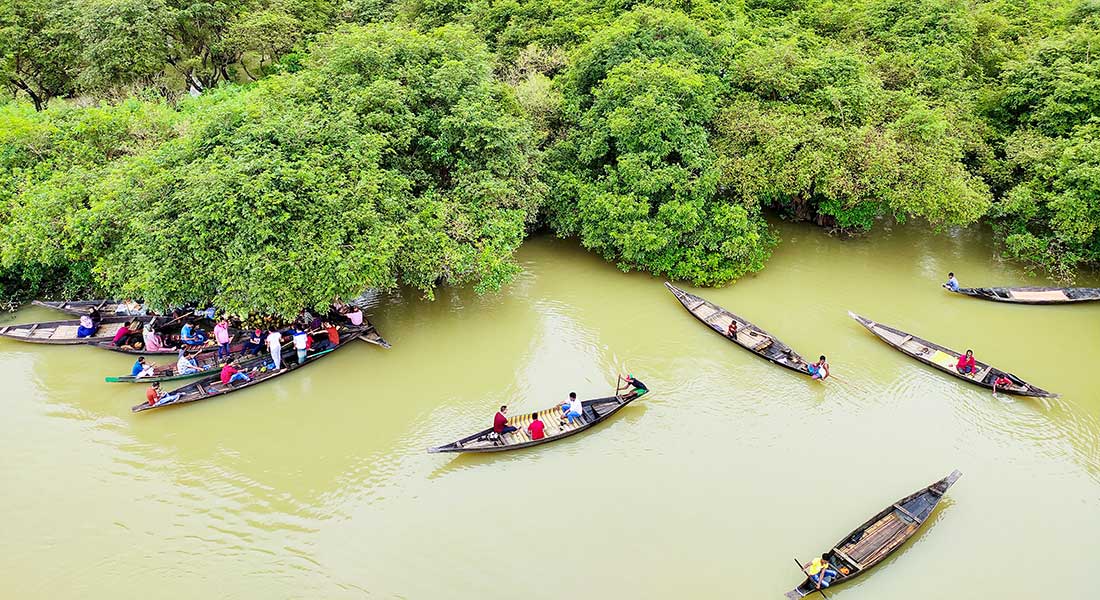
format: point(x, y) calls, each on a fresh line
point(318, 486)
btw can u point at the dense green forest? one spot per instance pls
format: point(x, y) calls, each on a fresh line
point(265, 154)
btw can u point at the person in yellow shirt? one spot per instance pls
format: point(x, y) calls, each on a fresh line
point(821, 572)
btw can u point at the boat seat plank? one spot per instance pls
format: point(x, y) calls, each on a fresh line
point(907, 513)
point(848, 559)
point(700, 303)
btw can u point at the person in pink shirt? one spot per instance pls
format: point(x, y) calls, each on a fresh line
point(966, 364)
point(221, 335)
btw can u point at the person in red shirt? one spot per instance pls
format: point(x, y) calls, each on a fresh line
point(500, 422)
point(155, 397)
point(1000, 382)
point(230, 374)
point(536, 427)
point(331, 341)
point(966, 363)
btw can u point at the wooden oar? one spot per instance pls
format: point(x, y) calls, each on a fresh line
point(801, 568)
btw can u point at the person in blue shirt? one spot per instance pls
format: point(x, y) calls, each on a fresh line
point(191, 335)
point(142, 368)
point(952, 283)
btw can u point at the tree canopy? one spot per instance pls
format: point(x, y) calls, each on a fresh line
point(264, 155)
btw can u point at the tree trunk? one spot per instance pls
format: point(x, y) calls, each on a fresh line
point(39, 101)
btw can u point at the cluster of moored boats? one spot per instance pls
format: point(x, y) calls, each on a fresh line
point(861, 549)
point(200, 360)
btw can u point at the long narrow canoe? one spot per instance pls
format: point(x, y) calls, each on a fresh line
point(211, 386)
point(64, 332)
point(80, 307)
point(594, 412)
point(749, 336)
point(1034, 295)
point(881, 535)
point(945, 359)
point(207, 361)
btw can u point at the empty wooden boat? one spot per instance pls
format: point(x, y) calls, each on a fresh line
point(595, 411)
point(207, 361)
point(80, 307)
point(749, 336)
point(880, 536)
point(1034, 295)
point(261, 369)
point(945, 359)
point(64, 332)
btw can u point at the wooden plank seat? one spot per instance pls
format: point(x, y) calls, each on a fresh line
point(907, 513)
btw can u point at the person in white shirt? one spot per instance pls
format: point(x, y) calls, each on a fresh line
point(186, 364)
point(275, 346)
point(301, 343)
point(573, 409)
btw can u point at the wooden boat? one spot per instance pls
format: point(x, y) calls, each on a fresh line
point(595, 411)
point(64, 332)
point(211, 386)
point(749, 336)
point(207, 361)
point(1033, 295)
point(371, 336)
point(945, 359)
point(880, 536)
point(80, 307)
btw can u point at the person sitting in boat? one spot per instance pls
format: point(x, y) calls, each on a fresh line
point(191, 335)
point(125, 336)
point(142, 368)
point(1001, 381)
point(231, 374)
point(331, 339)
point(821, 573)
point(186, 364)
point(354, 315)
point(572, 409)
point(820, 369)
point(153, 340)
point(155, 397)
point(88, 324)
point(966, 364)
point(500, 422)
point(537, 427)
point(254, 344)
point(952, 283)
point(731, 331)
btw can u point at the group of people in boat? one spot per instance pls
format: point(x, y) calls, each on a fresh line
point(571, 410)
point(818, 370)
point(307, 334)
point(966, 364)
